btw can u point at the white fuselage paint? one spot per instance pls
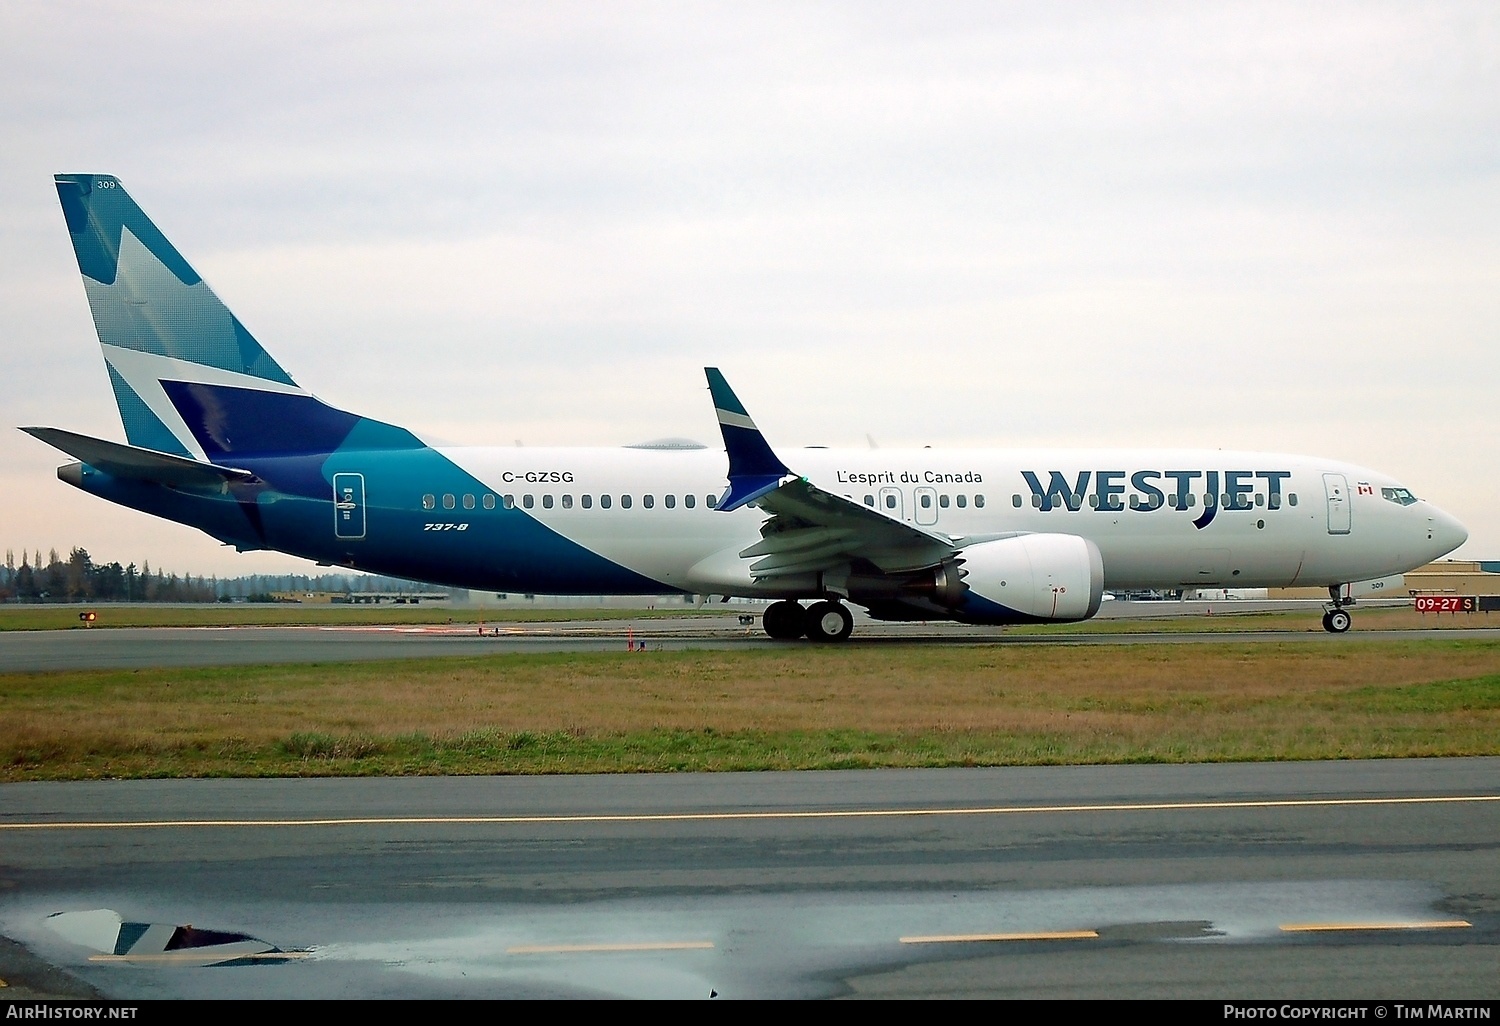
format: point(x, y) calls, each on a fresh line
point(696, 549)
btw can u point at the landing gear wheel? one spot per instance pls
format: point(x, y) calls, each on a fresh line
point(1337, 621)
point(829, 621)
point(784, 621)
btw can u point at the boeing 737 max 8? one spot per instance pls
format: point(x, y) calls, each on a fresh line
point(221, 438)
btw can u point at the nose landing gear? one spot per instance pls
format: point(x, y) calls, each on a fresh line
point(1336, 618)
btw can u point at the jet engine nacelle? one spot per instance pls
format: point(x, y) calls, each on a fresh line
point(1032, 577)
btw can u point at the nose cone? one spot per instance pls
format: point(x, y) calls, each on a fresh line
point(1444, 532)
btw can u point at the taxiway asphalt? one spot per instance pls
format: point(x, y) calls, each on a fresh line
point(138, 648)
point(1354, 880)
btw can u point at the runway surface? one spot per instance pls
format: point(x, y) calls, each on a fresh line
point(1314, 880)
point(33, 651)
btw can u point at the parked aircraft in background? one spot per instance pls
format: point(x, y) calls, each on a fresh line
point(221, 438)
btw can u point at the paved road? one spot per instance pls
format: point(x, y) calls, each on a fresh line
point(1314, 880)
point(30, 651)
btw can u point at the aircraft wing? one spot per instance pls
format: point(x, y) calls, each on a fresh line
point(138, 464)
point(810, 529)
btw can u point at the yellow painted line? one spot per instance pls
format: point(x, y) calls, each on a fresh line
point(189, 955)
point(710, 817)
point(965, 938)
point(1439, 924)
point(573, 949)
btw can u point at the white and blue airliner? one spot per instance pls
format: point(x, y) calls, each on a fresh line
point(221, 438)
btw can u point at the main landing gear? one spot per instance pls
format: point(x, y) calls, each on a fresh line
point(1336, 618)
point(821, 621)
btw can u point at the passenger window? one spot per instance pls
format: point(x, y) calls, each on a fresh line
point(648, 501)
point(689, 499)
point(1036, 502)
point(429, 502)
point(1292, 498)
point(624, 502)
point(508, 501)
point(870, 501)
point(448, 501)
point(1015, 500)
point(1093, 501)
point(1260, 500)
point(711, 500)
point(489, 501)
point(468, 502)
point(567, 501)
point(943, 500)
point(1192, 499)
point(1274, 502)
point(588, 502)
point(671, 501)
point(963, 500)
point(604, 501)
point(1208, 500)
point(528, 501)
point(979, 501)
point(547, 501)
point(890, 502)
point(926, 502)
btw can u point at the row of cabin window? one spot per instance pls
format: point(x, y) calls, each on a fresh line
point(925, 501)
point(450, 501)
point(1155, 502)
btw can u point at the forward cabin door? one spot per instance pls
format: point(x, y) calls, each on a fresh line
point(1336, 487)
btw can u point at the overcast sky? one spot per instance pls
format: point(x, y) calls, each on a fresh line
point(1263, 226)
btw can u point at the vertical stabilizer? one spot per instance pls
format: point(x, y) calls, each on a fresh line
point(157, 319)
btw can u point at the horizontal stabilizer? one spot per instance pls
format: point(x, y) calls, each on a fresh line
point(137, 464)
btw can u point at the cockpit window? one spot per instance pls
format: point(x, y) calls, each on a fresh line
point(1400, 496)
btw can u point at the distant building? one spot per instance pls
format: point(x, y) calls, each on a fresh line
point(1445, 577)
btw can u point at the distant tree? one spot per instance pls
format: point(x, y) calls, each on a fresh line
point(79, 575)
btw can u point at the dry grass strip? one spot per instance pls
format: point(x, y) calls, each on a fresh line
point(801, 706)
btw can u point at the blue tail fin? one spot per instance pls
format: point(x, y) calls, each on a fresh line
point(188, 378)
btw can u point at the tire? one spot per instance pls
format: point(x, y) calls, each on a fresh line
point(1339, 621)
point(829, 621)
point(784, 621)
